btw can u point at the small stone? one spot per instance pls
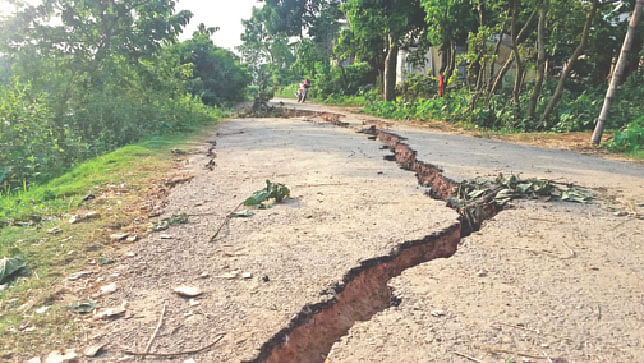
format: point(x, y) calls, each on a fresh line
point(110, 313)
point(132, 238)
point(108, 289)
point(130, 254)
point(438, 313)
point(187, 291)
point(189, 361)
point(77, 275)
point(621, 214)
point(75, 219)
point(34, 360)
point(118, 236)
point(165, 236)
point(265, 278)
point(204, 275)
point(93, 350)
point(42, 310)
point(90, 215)
point(595, 268)
point(68, 355)
point(193, 302)
point(247, 275)
point(230, 275)
point(482, 273)
point(55, 230)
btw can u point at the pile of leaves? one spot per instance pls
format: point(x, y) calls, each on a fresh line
point(165, 223)
point(11, 268)
point(262, 199)
point(503, 190)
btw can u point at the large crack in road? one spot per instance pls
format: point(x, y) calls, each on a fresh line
point(322, 264)
point(364, 290)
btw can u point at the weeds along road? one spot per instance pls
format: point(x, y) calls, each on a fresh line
point(346, 269)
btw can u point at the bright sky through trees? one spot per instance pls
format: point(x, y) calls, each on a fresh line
point(221, 13)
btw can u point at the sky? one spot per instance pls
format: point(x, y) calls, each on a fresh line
point(225, 14)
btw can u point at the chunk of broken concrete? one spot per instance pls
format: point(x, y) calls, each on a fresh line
point(42, 309)
point(108, 289)
point(118, 236)
point(187, 291)
point(77, 275)
point(230, 275)
point(93, 350)
point(247, 275)
point(110, 313)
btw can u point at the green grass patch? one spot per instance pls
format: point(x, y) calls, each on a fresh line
point(54, 248)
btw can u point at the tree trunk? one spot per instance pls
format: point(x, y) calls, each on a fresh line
point(568, 67)
point(619, 72)
point(517, 59)
point(389, 93)
point(541, 55)
point(497, 48)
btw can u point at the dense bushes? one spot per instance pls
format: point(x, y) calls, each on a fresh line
point(64, 104)
point(576, 112)
point(630, 138)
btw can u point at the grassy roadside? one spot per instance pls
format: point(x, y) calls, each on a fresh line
point(127, 184)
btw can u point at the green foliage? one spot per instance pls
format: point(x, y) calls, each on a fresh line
point(577, 111)
point(106, 77)
point(260, 198)
point(630, 139)
point(217, 75)
point(417, 86)
point(10, 267)
point(66, 191)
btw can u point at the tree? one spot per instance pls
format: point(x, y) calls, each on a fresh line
point(570, 65)
point(395, 22)
point(541, 61)
point(217, 75)
point(618, 75)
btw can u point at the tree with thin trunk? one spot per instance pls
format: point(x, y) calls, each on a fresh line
point(517, 58)
point(569, 66)
point(618, 75)
point(506, 66)
point(541, 63)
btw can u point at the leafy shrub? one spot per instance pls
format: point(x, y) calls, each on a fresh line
point(630, 138)
point(417, 86)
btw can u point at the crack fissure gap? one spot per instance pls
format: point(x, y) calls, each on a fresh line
point(364, 290)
